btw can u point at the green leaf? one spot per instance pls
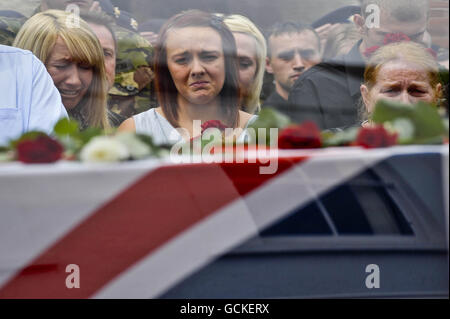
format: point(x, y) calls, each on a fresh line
point(426, 120)
point(66, 126)
point(4, 149)
point(6, 156)
point(268, 118)
point(71, 145)
point(32, 135)
point(443, 75)
point(147, 139)
point(340, 138)
point(89, 133)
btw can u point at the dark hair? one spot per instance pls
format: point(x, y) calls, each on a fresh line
point(165, 87)
point(102, 19)
point(400, 10)
point(289, 27)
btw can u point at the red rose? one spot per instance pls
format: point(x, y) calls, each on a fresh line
point(395, 37)
point(213, 124)
point(306, 135)
point(368, 53)
point(373, 137)
point(43, 149)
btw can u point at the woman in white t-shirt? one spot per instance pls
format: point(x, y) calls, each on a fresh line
point(196, 79)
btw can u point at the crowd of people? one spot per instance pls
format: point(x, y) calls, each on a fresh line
point(98, 69)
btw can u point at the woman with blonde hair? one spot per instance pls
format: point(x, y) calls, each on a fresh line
point(74, 58)
point(252, 51)
point(405, 72)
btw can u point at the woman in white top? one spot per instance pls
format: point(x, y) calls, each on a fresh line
point(196, 78)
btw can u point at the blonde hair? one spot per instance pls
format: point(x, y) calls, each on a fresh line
point(240, 24)
point(39, 35)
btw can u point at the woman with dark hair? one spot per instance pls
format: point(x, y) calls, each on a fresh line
point(196, 79)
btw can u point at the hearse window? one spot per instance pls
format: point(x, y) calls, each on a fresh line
point(362, 206)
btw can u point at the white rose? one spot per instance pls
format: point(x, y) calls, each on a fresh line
point(104, 149)
point(405, 129)
point(135, 146)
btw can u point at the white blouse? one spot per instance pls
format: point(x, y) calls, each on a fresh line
point(154, 124)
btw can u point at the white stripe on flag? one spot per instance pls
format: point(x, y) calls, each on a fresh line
point(39, 205)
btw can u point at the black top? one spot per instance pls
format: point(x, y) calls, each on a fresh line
point(329, 93)
point(276, 102)
point(115, 119)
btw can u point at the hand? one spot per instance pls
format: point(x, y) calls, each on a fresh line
point(324, 32)
point(95, 7)
point(325, 29)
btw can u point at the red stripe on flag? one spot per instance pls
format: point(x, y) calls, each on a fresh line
point(148, 214)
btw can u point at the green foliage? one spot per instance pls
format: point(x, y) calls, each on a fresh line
point(32, 135)
point(428, 124)
point(444, 75)
point(68, 132)
point(268, 118)
point(66, 127)
point(341, 138)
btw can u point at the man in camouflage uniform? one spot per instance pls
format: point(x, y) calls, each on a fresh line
point(132, 91)
point(133, 74)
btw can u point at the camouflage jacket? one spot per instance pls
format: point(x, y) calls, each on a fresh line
point(9, 27)
point(133, 74)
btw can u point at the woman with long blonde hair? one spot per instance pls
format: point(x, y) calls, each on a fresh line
point(74, 58)
point(252, 50)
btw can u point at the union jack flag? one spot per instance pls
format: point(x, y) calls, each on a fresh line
point(139, 229)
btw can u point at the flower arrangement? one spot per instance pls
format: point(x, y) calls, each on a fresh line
point(69, 143)
point(306, 135)
point(377, 136)
point(391, 124)
point(39, 149)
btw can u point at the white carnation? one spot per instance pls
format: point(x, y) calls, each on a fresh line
point(135, 146)
point(104, 149)
point(405, 129)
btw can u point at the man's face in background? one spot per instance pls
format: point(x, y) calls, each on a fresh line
point(291, 55)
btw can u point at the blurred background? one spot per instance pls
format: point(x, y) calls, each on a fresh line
point(263, 12)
